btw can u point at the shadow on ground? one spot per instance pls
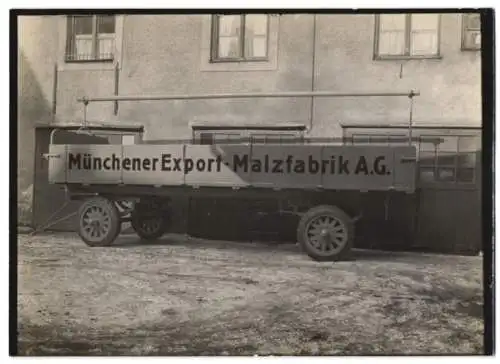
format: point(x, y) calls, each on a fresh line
point(132, 241)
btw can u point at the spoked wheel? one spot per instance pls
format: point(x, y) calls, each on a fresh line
point(325, 233)
point(99, 222)
point(149, 226)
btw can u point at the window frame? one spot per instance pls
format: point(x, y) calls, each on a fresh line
point(214, 41)
point(465, 29)
point(71, 37)
point(407, 31)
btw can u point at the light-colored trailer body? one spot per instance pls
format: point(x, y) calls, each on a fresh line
point(277, 166)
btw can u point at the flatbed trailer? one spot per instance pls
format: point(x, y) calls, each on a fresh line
point(135, 183)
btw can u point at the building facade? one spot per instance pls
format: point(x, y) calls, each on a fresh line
point(62, 58)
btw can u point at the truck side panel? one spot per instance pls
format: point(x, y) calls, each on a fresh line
point(369, 168)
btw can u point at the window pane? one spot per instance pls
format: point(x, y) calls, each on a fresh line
point(446, 174)
point(397, 140)
point(273, 138)
point(361, 138)
point(106, 24)
point(467, 160)
point(392, 34)
point(83, 25)
point(380, 139)
point(447, 159)
point(128, 139)
point(472, 21)
point(83, 47)
point(256, 47)
point(391, 22)
point(229, 25)
point(106, 46)
point(424, 22)
point(429, 143)
point(255, 138)
point(358, 139)
point(449, 143)
point(427, 174)
point(424, 35)
point(469, 143)
point(228, 138)
point(206, 138)
point(70, 39)
point(229, 47)
point(256, 25)
point(391, 43)
point(472, 39)
point(291, 138)
point(465, 175)
point(256, 35)
point(427, 158)
point(424, 43)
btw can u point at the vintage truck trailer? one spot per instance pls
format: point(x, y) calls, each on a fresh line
point(120, 183)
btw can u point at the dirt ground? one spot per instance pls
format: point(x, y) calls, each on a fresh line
point(184, 296)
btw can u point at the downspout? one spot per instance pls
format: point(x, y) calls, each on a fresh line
point(313, 75)
point(54, 93)
point(117, 83)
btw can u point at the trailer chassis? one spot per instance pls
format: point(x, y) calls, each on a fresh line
point(325, 229)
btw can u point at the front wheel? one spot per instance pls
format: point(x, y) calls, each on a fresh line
point(326, 233)
point(99, 222)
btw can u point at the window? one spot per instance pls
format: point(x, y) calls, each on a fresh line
point(276, 138)
point(90, 38)
point(246, 136)
point(240, 37)
point(218, 137)
point(407, 36)
point(453, 160)
point(379, 139)
point(471, 32)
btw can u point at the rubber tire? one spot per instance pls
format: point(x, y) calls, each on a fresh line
point(135, 221)
point(337, 213)
point(115, 222)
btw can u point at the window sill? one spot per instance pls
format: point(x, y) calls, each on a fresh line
point(237, 66)
point(406, 58)
point(438, 185)
point(240, 60)
point(88, 66)
point(470, 49)
point(110, 60)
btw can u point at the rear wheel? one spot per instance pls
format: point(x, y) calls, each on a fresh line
point(149, 227)
point(326, 233)
point(150, 218)
point(99, 222)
